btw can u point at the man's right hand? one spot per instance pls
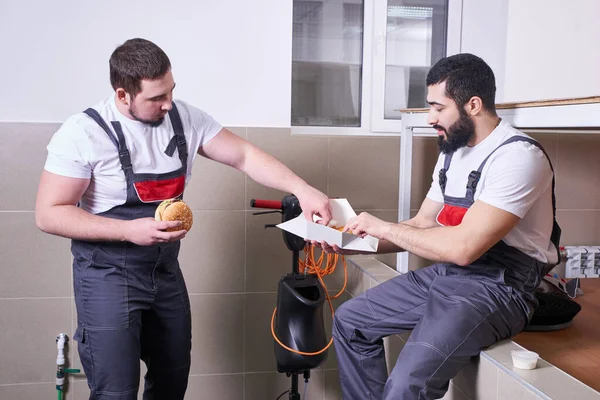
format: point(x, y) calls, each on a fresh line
point(148, 231)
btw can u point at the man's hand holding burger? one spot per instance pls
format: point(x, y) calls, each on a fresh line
point(172, 221)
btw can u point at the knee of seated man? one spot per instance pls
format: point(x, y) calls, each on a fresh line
point(343, 316)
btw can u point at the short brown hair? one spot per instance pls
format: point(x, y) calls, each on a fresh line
point(135, 60)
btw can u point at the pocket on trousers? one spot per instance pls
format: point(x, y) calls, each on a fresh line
point(83, 349)
point(103, 298)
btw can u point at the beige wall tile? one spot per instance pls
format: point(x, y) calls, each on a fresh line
point(478, 379)
point(393, 346)
point(384, 275)
point(549, 142)
point(579, 228)
point(404, 336)
point(454, 393)
point(334, 281)
point(217, 333)
point(269, 385)
point(358, 281)
point(215, 186)
point(365, 171)
point(267, 256)
point(22, 159)
point(509, 388)
point(212, 254)
point(29, 392)
point(415, 262)
point(577, 166)
point(222, 387)
point(388, 259)
point(331, 385)
point(425, 155)
point(28, 331)
point(259, 346)
point(34, 264)
point(306, 156)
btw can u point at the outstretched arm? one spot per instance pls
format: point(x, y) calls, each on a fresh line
point(482, 226)
point(229, 149)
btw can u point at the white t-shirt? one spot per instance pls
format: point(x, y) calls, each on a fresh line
point(517, 178)
point(82, 149)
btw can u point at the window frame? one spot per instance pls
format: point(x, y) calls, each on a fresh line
point(372, 118)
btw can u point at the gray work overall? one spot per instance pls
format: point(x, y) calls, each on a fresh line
point(454, 313)
point(131, 300)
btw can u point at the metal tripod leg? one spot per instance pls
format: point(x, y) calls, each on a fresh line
point(294, 395)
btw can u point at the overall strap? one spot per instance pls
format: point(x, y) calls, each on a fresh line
point(443, 179)
point(178, 141)
point(124, 155)
point(93, 114)
point(119, 142)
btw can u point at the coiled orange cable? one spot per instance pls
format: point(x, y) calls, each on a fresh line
point(309, 266)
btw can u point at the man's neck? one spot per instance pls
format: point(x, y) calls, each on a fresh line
point(484, 128)
point(122, 108)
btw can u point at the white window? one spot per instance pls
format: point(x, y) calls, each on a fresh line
point(356, 62)
point(326, 63)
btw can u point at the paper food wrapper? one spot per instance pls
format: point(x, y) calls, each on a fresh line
point(341, 212)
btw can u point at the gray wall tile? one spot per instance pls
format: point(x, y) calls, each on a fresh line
point(22, 159)
point(212, 253)
point(34, 264)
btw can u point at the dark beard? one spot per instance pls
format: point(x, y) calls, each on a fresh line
point(458, 135)
point(151, 123)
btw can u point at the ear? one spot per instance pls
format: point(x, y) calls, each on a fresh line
point(474, 106)
point(123, 97)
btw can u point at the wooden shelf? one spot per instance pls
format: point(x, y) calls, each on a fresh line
point(576, 349)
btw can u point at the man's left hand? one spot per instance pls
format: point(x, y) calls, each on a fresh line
point(366, 224)
point(313, 202)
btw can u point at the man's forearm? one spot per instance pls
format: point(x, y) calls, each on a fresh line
point(72, 222)
point(387, 246)
point(434, 244)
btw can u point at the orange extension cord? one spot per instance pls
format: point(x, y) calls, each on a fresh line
point(309, 266)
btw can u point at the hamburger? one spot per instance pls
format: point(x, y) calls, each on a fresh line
point(175, 210)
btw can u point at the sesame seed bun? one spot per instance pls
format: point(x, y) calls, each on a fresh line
point(175, 210)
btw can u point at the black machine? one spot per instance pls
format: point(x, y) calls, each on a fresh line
point(299, 320)
point(556, 308)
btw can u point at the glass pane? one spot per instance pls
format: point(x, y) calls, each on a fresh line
point(416, 39)
point(327, 63)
